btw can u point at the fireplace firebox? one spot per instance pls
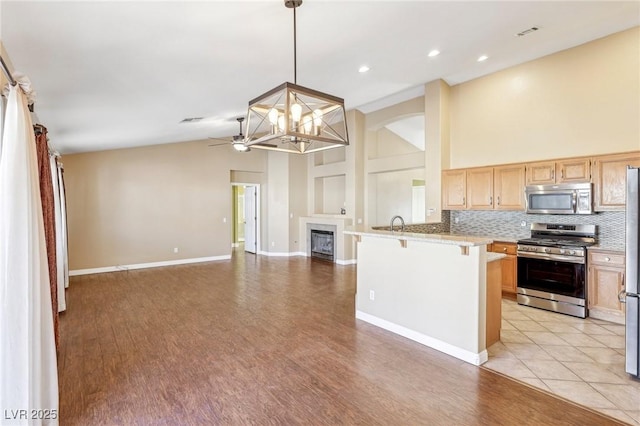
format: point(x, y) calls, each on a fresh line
point(322, 245)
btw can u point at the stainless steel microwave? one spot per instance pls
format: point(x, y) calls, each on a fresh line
point(573, 198)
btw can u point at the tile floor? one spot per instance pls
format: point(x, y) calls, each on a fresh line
point(581, 360)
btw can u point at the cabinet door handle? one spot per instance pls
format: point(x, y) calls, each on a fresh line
point(621, 296)
point(607, 259)
point(504, 249)
point(561, 173)
point(553, 174)
point(498, 200)
point(490, 200)
point(464, 200)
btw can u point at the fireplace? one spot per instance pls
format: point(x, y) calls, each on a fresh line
point(322, 244)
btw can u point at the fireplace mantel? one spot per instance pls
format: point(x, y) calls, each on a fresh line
point(344, 251)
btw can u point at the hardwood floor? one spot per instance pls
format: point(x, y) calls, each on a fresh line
point(259, 340)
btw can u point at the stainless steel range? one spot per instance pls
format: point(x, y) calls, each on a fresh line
point(552, 267)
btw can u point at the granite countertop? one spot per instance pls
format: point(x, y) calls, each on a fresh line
point(458, 240)
point(495, 256)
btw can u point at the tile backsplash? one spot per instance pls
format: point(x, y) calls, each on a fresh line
point(610, 225)
point(508, 225)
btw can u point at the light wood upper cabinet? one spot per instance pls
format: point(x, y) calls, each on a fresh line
point(454, 189)
point(561, 171)
point(484, 188)
point(541, 173)
point(573, 170)
point(502, 187)
point(508, 187)
point(480, 188)
point(609, 179)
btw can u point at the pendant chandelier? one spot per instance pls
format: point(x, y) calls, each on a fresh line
point(292, 118)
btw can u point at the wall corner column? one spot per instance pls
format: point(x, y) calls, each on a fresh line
point(437, 145)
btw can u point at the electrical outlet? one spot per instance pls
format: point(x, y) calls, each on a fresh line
point(523, 223)
point(273, 243)
point(372, 295)
point(290, 215)
point(456, 220)
point(224, 220)
point(359, 221)
point(175, 249)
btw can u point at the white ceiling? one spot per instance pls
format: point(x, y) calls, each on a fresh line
point(124, 73)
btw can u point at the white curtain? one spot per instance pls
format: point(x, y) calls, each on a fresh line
point(63, 224)
point(60, 243)
point(28, 369)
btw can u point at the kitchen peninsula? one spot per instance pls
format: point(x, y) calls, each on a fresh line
point(428, 288)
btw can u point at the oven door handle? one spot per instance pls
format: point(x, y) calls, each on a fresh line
point(574, 201)
point(556, 257)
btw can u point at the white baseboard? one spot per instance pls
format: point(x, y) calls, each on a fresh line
point(439, 345)
point(146, 265)
point(281, 254)
point(346, 262)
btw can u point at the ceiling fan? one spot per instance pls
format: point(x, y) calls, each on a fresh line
point(237, 141)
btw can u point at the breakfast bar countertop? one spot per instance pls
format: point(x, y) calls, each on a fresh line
point(451, 239)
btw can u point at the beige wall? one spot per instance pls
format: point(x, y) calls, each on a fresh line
point(131, 206)
point(297, 199)
point(387, 156)
point(581, 101)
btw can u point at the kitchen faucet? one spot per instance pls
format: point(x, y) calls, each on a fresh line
point(393, 219)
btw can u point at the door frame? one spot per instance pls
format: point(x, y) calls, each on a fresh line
point(258, 215)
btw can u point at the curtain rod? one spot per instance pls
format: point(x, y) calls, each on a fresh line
point(6, 72)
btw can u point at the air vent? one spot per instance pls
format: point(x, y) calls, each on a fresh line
point(527, 31)
point(192, 119)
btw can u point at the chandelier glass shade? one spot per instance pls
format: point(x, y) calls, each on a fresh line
point(293, 118)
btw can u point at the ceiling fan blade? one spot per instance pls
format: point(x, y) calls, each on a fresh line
point(219, 144)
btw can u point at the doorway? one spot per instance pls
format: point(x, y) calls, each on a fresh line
point(246, 216)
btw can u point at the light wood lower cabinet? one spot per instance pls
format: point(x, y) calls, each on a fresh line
point(494, 302)
point(509, 266)
point(604, 283)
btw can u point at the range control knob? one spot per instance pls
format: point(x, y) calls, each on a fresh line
point(562, 251)
point(572, 252)
point(547, 250)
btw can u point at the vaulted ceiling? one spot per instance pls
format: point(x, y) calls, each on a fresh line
point(125, 73)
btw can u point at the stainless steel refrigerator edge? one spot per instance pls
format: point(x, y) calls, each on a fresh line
point(631, 277)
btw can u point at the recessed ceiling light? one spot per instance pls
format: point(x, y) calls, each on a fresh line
point(363, 68)
point(483, 58)
point(433, 53)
